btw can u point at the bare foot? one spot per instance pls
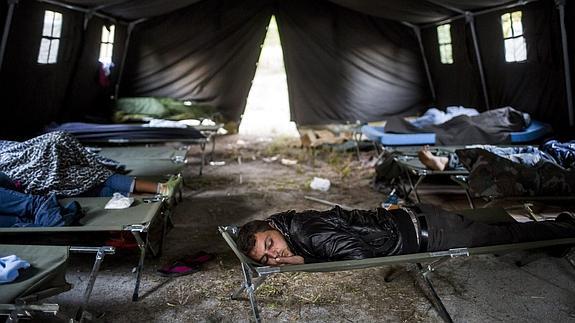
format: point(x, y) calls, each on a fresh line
point(432, 162)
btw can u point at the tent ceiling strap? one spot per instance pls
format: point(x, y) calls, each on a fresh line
point(108, 5)
point(478, 13)
point(566, 67)
point(417, 32)
point(84, 10)
point(7, 25)
point(87, 17)
point(469, 18)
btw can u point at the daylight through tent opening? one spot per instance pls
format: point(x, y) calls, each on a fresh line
point(267, 109)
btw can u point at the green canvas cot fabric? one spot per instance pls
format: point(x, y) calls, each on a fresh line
point(147, 161)
point(47, 271)
point(99, 219)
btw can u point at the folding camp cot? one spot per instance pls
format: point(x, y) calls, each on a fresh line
point(147, 161)
point(406, 158)
point(463, 181)
point(254, 274)
point(133, 134)
point(155, 164)
point(137, 219)
point(377, 134)
point(44, 278)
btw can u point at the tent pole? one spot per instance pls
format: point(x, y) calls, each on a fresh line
point(566, 67)
point(125, 55)
point(471, 22)
point(7, 24)
point(417, 32)
point(475, 14)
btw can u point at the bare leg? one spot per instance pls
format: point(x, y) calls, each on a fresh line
point(165, 188)
point(142, 186)
point(431, 161)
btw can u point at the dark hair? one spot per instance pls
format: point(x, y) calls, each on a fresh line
point(246, 237)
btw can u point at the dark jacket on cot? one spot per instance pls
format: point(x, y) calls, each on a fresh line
point(339, 234)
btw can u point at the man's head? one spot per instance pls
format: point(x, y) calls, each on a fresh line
point(262, 243)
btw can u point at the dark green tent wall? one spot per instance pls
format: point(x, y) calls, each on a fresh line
point(346, 60)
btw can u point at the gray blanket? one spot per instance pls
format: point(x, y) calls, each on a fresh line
point(54, 163)
point(490, 127)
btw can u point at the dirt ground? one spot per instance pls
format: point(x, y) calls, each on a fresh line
point(474, 289)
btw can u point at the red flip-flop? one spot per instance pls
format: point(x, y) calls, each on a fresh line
point(177, 269)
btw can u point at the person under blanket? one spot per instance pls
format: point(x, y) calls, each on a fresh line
point(56, 163)
point(316, 236)
point(19, 209)
point(561, 154)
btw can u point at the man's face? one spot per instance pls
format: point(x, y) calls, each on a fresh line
point(269, 245)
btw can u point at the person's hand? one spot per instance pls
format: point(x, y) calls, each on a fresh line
point(291, 260)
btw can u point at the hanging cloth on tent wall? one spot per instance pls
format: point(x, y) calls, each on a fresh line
point(206, 52)
point(343, 65)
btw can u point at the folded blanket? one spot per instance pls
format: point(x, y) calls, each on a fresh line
point(490, 127)
point(9, 267)
point(435, 116)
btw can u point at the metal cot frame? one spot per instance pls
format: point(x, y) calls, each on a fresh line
point(136, 229)
point(254, 275)
point(25, 306)
point(462, 180)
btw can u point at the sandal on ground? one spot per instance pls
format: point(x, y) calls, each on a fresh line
point(178, 269)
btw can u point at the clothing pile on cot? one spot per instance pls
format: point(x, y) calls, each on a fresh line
point(36, 173)
point(458, 126)
point(497, 171)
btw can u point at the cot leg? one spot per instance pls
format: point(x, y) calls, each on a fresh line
point(356, 139)
point(80, 313)
point(250, 287)
point(569, 257)
point(203, 155)
point(140, 268)
point(313, 156)
point(413, 188)
point(469, 199)
point(257, 282)
point(13, 317)
point(213, 148)
point(424, 282)
point(167, 222)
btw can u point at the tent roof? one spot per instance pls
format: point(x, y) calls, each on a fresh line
point(412, 11)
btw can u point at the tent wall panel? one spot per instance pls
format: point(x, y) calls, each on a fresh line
point(458, 83)
point(89, 98)
point(3, 11)
point(346, 66)
point(206, 52)
point(537, 85)
point(32, 94)
point(570, 25)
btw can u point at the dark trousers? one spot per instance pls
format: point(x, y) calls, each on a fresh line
point(449, 230)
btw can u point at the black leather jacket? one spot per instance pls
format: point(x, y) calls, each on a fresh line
point(338, 234)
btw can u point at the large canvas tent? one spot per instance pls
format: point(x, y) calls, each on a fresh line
point(346, 60)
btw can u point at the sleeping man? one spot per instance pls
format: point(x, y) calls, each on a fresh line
point(558, 153)
point(337, 234)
